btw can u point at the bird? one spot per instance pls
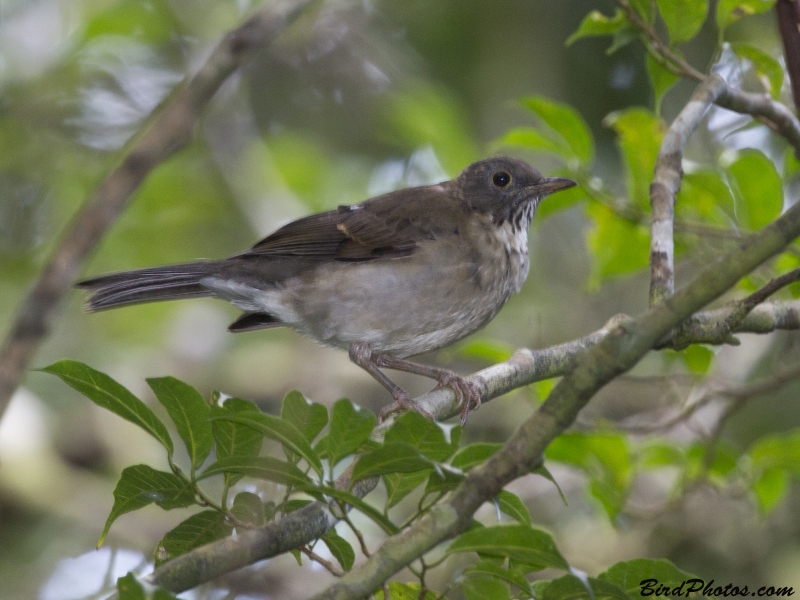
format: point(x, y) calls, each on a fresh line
point(397, 275)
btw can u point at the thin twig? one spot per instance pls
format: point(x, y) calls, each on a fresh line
point(334, 570)
point(667, 182)
point(170, 131)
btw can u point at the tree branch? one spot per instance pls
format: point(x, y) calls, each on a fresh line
point(170, 131)
point(667, 182)
point(788, 12)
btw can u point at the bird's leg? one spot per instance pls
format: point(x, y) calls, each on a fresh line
point(468, 394)
point(361, 354)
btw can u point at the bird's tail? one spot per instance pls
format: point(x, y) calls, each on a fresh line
point(172, 282)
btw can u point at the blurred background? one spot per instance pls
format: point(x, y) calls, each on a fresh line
point(356, 99)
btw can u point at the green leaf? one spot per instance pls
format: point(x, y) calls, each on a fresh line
point(400, 485)
point(129, 588)
point(683, 18)
point(560, 201)
point(661, 78)
point(107, 393)
point(491, 351)
point(639, 135)
point(644, 8)
point(631, 575)
point(570, 587)
point(425, 115)
point(605, 458)
point(567, 123)
point(481, 587)
point(473, 455)
point(152, 22)
point(661, 454)
point(617, 246)
point(757, 187)
point(521, 543)
point(340, 548)
point(698, 358)
point(730, 11)
point(248, 508)
point(770, 488)
point(279, 430)
point(542, 470)
point(140, 485)
point(260, 467)
point(422, 434)
point(491, 569)
point(309, 417)
point(533, 139)
point(705, 194)
point(357, 503)
point(767, 68)
point(189, 412)
point(199, 529)
point(405, 591)
point(350, 429)
point(511, 505)
point(780, 450)
point(391, 457)
point(596, 23)
point(233, 439)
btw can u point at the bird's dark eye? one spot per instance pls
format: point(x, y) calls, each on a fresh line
point(501, 179)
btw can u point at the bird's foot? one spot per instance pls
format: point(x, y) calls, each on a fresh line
point(468, 394)
point(402, 401)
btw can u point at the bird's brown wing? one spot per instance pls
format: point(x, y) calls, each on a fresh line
point(391, 225)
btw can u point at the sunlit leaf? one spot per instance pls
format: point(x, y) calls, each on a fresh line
point(405, 591)
point(757, 187)
point(107, 393)
point(778, 450)
point(698, 358)
point(770, 488)
point(730, 11)
point(683, 18)
point(617, 246)
point(661, 78)
point(639, 135)
point(140, 485)
point(768, 68)
point(567, 123)
point(705, 194)
point(199, 529)
point(596, 23)
point(189, 412)
point(473, 455)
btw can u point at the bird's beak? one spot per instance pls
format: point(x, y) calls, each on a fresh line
point(548, 185)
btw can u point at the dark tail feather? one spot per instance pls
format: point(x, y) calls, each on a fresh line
point(172, 282)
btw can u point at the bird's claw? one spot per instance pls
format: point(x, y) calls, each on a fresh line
point(468, 394)
point(402, 401)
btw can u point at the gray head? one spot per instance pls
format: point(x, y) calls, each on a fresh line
point(507, 189)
